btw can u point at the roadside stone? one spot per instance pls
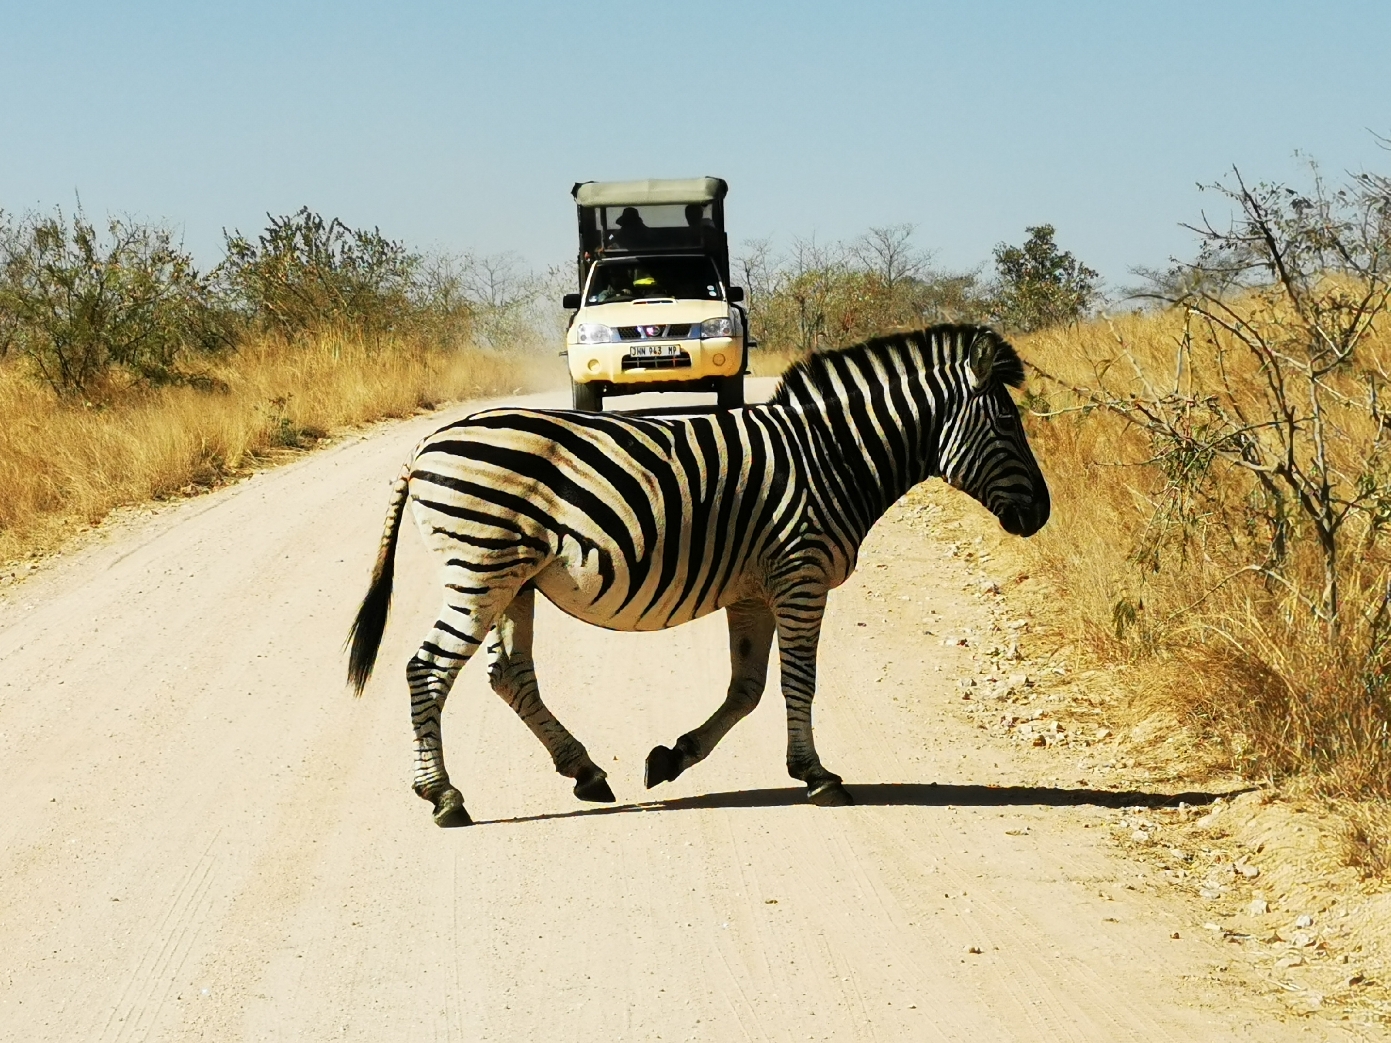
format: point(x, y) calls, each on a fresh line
point(1209, 820)
point(1258, 907)
point(1250, 872)
point(1304, 921)
point(1302, 939)
point(1292, 960)
point(1210, 893)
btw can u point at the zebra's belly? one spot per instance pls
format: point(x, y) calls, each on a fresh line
point(576, 593)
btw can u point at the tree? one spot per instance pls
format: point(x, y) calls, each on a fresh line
point(1041, 285)
point(887, 253)
point(1277, 388)
point(304, 274)
point(77, 303)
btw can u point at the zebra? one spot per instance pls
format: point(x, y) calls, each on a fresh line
point(642, 523)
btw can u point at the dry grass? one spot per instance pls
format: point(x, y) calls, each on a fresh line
point(64, 466)
point(1235, 658)
point(1367, 839)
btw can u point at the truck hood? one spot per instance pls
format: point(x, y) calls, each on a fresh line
point(631, 313)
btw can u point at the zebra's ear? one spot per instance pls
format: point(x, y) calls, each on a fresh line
point(982, 358)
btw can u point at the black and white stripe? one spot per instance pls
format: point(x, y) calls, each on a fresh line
point(642, 523)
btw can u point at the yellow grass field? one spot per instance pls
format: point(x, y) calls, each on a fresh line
point(1234, 658)
point(65, 465)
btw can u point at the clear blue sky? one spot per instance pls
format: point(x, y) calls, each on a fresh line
point(462, 125)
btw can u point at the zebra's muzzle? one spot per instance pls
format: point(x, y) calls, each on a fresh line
point(1025, 520)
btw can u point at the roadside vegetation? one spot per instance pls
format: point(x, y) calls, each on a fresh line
point(1218, 446)
point(818, 295)
point(1222, 469)
point(126, 374)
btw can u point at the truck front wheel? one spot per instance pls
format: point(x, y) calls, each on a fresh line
point(587, 398)
point(729, 392)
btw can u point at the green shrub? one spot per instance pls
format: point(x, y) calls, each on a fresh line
point(1040, 285)
point(75, 303)
point(304, 274)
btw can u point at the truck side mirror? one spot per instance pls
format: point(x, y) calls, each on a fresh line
point(736, 294)
point(571, 301)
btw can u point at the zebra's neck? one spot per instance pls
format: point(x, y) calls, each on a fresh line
point(872, 425)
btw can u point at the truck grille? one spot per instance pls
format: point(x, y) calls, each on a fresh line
point(675, 331)
point(679, 361)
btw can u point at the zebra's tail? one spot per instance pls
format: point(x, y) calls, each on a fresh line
point(365, 636)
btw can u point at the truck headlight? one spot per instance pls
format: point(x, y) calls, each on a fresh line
point(595, 333)
point(716, 328)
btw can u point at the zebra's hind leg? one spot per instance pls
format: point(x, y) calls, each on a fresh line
point(750, 639)
point(799, 631)
point(430, 675)
point(512, 673)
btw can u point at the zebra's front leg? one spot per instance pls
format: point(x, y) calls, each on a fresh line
point(799, 631)
point(512, 673)
point(750, 639)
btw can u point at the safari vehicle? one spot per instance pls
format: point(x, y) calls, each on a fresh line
point(655, 311)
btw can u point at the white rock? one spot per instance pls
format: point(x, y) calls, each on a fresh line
point(1209, 820)
point(1302, 939)
point(1140, 837)
point(1292, 960)
point(1258, 907)
point(1304, 921)
point(1248, 871)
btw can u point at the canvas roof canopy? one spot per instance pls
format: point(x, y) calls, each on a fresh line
point(652, 191)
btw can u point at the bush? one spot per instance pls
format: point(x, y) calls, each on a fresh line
point(821, 296)
point(1040, 285)
point(76, 304)
point(305, 275)
point(1224, 471)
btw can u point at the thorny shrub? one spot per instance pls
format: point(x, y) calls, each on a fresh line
point(1248, 517)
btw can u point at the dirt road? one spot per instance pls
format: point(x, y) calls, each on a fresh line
point(203, 836)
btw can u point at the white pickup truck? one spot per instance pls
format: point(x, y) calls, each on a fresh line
point(655, 311)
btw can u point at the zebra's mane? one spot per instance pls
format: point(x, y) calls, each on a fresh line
point(949, 342)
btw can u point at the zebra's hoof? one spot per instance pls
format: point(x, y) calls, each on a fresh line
point(830, 794)
point(449, 810)
point(663, 765)
point(595, 787)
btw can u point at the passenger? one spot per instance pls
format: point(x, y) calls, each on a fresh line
point(632, 231)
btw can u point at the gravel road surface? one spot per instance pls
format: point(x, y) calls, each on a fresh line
point(203, 836)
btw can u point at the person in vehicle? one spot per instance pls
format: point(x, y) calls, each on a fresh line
point(614, 283)
point(632, 230)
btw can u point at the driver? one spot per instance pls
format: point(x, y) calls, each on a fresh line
point(618, 284)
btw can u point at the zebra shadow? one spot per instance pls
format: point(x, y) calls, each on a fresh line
point(901, 794)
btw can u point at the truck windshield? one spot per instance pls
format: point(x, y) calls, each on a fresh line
point(682, 278)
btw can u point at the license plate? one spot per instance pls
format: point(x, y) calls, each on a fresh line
point(654, 351)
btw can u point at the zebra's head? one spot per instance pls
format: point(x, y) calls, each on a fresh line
point(983, 450)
